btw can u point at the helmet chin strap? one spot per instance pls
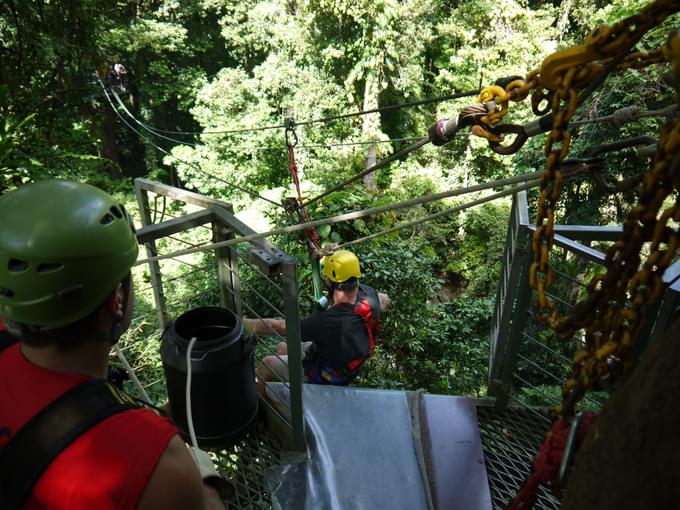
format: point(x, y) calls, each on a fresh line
point(117, 330)
point(115, 333)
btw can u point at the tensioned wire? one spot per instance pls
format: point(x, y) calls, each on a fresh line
point(167, 153)
point(158, 133)
point(354, 215)
point(407, 104)
point(384, 162)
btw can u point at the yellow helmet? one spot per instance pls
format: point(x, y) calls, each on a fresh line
point(341, 266)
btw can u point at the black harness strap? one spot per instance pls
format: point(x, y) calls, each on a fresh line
point(6, 340)
point(27, 455)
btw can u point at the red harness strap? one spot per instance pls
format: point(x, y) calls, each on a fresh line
point(363, 309)
point(312, 235)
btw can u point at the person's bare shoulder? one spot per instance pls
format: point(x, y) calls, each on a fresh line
point(176, 483)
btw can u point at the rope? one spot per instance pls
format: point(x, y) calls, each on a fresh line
point(167, 153)
point(379, 164)
point(145, 126)
point(393, 107)
point(367, 142)
point(350, 216)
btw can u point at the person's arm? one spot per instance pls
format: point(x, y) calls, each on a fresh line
point(265, 327)
point(176, 483)
point(384, 300)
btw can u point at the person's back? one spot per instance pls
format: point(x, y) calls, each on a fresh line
point(66, 250)
point(336, 341)
point(108, 467)
point(345, 332)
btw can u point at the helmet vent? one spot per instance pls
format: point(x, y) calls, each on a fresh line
point(106, 219)
point(48, 268)
point(71, 296)
point(17, 266)
point(116, 212)
point(6, 292)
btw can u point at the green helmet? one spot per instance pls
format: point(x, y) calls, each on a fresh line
point(64, 246)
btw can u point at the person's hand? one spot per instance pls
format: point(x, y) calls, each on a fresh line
point(217, 489)
point(384, 301)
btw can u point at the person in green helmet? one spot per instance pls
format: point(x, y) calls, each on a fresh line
point(66, 250)
point(336, 341)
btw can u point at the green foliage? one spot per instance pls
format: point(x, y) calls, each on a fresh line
point(478, 257)
point(210, 66)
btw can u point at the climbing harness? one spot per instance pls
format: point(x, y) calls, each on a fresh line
point(368, 308)
point(48, 433)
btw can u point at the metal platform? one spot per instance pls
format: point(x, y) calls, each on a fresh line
point(244, 465)
point(511, 439)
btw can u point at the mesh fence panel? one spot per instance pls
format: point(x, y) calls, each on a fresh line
point(511, 439)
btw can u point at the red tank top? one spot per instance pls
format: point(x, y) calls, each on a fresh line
point(107, 467)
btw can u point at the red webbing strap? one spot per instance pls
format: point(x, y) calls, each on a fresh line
point(312, 235)
point(546, 467)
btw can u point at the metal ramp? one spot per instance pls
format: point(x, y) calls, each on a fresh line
point(509, 441)
point(369, 449)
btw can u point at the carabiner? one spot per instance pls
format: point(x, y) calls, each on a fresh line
point(503, 129)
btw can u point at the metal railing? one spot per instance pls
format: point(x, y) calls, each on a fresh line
point(528, 364)
point(269, 287)
point(523, 350)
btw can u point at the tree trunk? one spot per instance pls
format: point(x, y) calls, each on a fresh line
point(109, 141)
point(630, 458)
point(370, 128)
point(563, 21)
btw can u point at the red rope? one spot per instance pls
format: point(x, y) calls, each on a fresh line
point(546, 466)
point(312, 235)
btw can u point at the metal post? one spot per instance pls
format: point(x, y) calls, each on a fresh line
point(507, 287)
point(226, 260)
point(292, 315)
point(663, 312)
point(151, 251)
point(519, 321)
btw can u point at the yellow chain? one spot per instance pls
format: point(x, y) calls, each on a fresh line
point(610, 326)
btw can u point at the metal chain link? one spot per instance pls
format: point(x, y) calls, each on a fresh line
point(609, 323)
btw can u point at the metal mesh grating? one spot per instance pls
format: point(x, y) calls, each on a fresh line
point(511, 439)
point(244, 465)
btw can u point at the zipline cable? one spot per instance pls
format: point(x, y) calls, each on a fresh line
point(349, 216)
point(367, 142)
point(156, 132)
point(392, 107)
point(383, 162)
point(408, 104)
point(145, 126)
point(167, 153)
point(451, 210)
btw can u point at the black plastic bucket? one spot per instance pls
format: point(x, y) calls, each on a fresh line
point(223, 396)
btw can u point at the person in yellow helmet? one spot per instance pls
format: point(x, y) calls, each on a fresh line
point(337, 341)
